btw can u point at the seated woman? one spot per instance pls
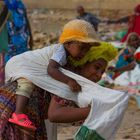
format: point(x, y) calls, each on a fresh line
point(37, 108)
point(126, 59)
point(132, 81)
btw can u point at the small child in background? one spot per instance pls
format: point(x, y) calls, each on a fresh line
point(75, 41)
point(126, 57)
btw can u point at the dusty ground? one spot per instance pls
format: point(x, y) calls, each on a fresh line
point(46, 26)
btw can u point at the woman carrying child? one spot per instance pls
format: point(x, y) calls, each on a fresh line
point(76, 35)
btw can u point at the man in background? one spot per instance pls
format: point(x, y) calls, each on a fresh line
point(87, 17)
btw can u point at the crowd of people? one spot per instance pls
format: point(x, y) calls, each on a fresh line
point(29, 95)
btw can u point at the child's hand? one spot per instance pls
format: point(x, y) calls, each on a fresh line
point(74, 86)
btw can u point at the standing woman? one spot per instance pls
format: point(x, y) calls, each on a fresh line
point(17, 30)
point(19, 33)
point(134, 23)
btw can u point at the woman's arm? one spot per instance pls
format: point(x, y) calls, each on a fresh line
point(128, 67)
point(64, 114)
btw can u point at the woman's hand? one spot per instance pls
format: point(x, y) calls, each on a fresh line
point(74, 86)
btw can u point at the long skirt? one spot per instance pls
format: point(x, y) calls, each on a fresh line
point(36, 110)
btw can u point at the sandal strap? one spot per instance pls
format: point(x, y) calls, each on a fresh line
point(19, 116)
point(22, 116)
point(27, 122)
point(17, 119)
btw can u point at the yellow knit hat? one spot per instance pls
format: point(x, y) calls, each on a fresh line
point(104, 50)
point(78, 30)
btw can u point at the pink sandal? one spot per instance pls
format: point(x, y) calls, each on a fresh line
point(16, 119)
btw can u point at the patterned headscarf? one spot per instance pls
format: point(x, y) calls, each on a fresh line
point(104, 50)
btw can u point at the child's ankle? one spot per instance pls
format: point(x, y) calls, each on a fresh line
point(17, 112)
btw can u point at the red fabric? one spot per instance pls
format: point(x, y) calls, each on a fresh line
point(116, 75)
point(134, 26)
point(137, 57)
point(63, 101)
point(134, 23)
point(137, 9)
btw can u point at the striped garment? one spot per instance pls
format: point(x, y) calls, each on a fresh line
point(36, 110)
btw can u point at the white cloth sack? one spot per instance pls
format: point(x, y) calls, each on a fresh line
point(107, 106)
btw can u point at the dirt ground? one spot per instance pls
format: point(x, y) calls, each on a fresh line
point(46, 25)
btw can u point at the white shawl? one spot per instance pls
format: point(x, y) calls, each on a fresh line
point(107, 105)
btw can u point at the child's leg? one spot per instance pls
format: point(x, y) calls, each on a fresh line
point(24, 91)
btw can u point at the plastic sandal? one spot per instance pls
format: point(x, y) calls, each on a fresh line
point(25, 123)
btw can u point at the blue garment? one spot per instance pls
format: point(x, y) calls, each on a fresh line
point(93, 20)
point(122, 61)
point(18, 31)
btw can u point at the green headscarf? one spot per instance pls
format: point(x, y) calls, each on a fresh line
point(104, 50)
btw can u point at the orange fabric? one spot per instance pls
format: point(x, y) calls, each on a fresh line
point(78, 30)
point(72, 34)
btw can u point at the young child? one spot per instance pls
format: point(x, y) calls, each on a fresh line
point(126, 56)
point(75, 41)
